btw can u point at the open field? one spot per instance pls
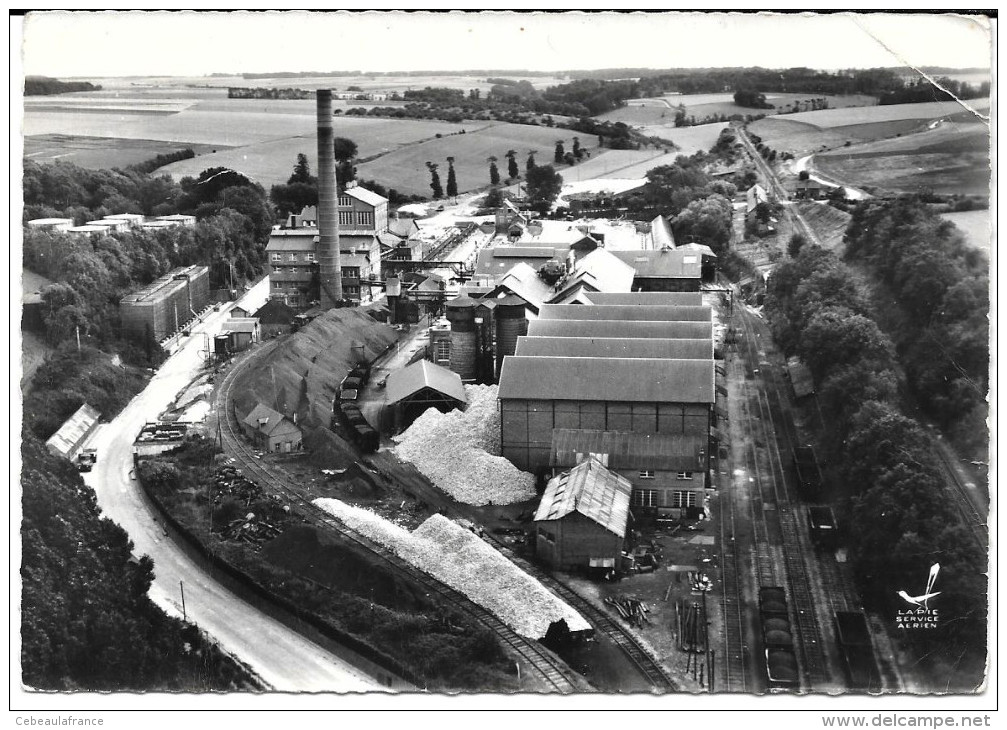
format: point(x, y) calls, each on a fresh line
point(688, 140)
point(828, 223)
point(405, 169)
point(99, 152)
point(949, 158)
point(865, 115)
point(661, 110)
point(611, 164)
point(975, 224)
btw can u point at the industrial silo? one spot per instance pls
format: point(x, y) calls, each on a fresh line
point(512, 323)
point(461, 313)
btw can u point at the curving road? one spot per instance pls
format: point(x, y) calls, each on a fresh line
point(283, 659)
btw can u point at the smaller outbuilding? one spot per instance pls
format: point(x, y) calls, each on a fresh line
point(74, 432)
point(272, 431)
point(582, 520)
point(275, 318)
point(420, 386)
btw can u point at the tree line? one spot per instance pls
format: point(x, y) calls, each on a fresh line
point(91, 275)
point(899, 517)
point(45, 86)
point(941, 285)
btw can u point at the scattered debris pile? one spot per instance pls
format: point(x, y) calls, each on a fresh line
point(459, 452)
point(229, 482)
point(251, 529)
point(631, 609)
point(458, 557)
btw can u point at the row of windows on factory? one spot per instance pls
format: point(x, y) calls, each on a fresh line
point(651, 474)
point(308, 257)
point(360, 218)
point(651, 498)
point(349, 272)
point(278, 285)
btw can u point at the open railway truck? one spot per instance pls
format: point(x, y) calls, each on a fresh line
point(854, 639)
point(777, 639)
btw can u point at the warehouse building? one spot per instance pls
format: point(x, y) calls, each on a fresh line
point(494, 263)
point(695, 349)
point(681, 299)
point(627, 312)
point(423, 385)
point(619, 329)
point(664, 270)
point(582, 519)
point(66, 442)
point(167, 304)
point(668, 472)
point(638, 395)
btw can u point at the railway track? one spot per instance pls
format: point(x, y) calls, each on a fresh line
point(972, 517)
point(734, 665)
point(552, 671)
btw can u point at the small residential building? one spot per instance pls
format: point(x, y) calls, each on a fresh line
point(582, 520)
point(420, 386)
point(665, 269)
point(242, 332)
point(275, 318)
point(67, 441)
point(754, 197)
point(667, 471)
point(272, 431)
point(809, 190)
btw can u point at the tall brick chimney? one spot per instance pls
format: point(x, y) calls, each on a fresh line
point(329, 271)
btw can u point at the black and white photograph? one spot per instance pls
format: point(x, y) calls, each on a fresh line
point(503, 360)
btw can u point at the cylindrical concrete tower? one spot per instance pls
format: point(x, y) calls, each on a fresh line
point(330, 275)
point(461, 313)
point(511, 323)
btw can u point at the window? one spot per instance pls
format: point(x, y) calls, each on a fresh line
point(442, 351)
point(680, 498)
point(345, 202)
point(346, 217)
point(277, 284)
point(277, 257)
point(355, 290)
point(351, 272)
point(645, 497)
point(276, 446)
point(291, 257)
point(310, 257)
point(646, 474)
point(365, 218)
point(684, 475)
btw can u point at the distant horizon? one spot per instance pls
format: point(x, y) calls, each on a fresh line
point(85, 44)
point(509, 72)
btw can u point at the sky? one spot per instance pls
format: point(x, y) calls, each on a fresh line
point(193, 44)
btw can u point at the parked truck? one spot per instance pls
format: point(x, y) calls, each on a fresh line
point(854, 639)
point(86, 459)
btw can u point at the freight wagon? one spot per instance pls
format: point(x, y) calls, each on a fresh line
point(854, 639)
point(809, 475)
point(777, 639)
point(824, 531)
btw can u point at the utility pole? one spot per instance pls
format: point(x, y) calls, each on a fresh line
point(182, 589)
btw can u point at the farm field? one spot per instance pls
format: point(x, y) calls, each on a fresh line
point(950, 158)
point(99, 152)
point(405, 169)
point(892, 112)
point(661, 110)
point(611, 164)
point(828, 223)
point(975, 225)
point(378, 83)
point(688, 140)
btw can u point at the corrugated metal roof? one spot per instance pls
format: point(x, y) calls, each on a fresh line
point(498, 261)
point(663, 263)
point(609, 272)
point(694, 349)
point(366, 196)
point(620, 329)
point(424, 374)
point(678, 298)
point(524, 281)
point(700, 248)
point(646, 380)
point(73, 429)
point(660, 233)
point(623, 450)
point(627, 312)
point(593, 491)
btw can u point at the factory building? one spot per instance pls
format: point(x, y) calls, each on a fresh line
point(638, 395)
point(616, 328)
point(420, 386)
point(664, 270)
point(667, 472)
point(696, 349)
point(627, 312)
point(167, 304)
point(682, 299)
point(66, 442)
point(582, 520)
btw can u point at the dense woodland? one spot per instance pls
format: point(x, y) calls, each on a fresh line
point(898, 516)
point(90, 276)
point(45, 86)
point(86, 620)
